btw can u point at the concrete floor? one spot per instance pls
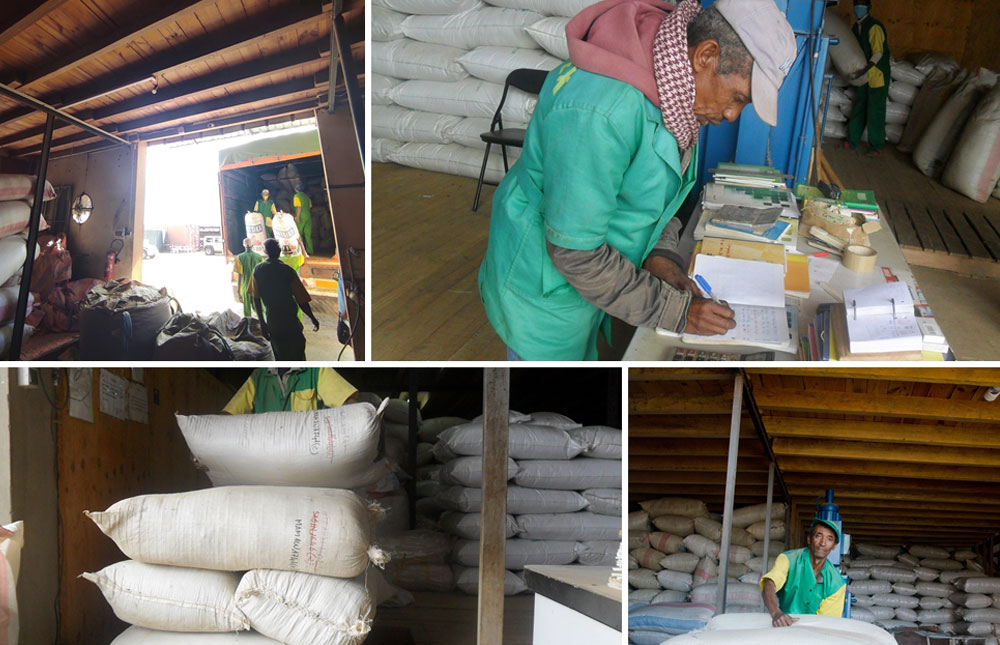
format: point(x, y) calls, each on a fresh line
point(968, 310)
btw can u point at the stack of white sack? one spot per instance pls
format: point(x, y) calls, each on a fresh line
point(438, 72)
point(280, 545)
point(923, 586)
point(305, 553)
point(563, 495)
point(674, 564)
point(743, 629)
point(17, 193)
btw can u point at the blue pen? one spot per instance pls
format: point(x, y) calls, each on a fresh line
point(703, 283)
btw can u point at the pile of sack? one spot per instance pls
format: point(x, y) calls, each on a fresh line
point(949, 118)
point(563, 495)
point(927, 586)
point(280, 545)
point(438, 72)
point(16, 196)
point(673, 564)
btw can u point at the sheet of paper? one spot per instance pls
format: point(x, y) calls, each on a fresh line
point(114, 395)
point(876, 333)
point(822, 269)
point(879, 299)
point(81, 393)
point(743, 282)
point(759, 325)
point(138, 403)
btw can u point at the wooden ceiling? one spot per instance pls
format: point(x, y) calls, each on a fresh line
point(913, 455)
point(214, 64)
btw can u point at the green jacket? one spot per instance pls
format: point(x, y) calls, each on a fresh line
point(598, 165)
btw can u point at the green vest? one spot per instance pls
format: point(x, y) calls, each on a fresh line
point(248, 262)
point(862, 30)
point(598, 166)
point(271, 396)
point(304, 205)
point(264, 207)
point(801, 594)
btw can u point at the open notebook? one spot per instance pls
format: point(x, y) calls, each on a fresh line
point(756, 292)
point(881, 319)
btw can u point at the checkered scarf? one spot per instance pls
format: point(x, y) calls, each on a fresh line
point(673, 75)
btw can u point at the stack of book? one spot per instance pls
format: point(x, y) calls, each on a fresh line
point(796, 266)
point(856, 202)
point(751, 203)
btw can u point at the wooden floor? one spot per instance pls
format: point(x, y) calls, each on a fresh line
point(427, 248)
point(936, 227)
point(450, 619)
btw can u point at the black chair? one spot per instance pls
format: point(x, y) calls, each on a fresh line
point(526, 80)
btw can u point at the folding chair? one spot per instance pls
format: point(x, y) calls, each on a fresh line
point(526, 80)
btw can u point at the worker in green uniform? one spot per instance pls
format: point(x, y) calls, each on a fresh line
point(265, 206)
point(303, 217)
point(873, 93)
point(582, 227)
point(294, 260)
point(803, 581)
point(276, 286)
point(296, 389)
point(243, 266)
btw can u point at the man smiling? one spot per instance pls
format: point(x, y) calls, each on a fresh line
point(803, 581)
point(583, 226)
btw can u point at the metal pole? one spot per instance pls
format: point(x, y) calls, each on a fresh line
point(31, 101)
point(36, 213)
point(354, 97)
point(767, 518)
point(727, 511)
point(411, 450)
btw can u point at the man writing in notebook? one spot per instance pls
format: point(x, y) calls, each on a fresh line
point(583, 227)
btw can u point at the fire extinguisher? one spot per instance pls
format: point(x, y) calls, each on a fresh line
point(111, 259)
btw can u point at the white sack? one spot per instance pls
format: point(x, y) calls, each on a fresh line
point(979, 585)
point(904, 73)
point(468, 471)
point(411, 59)
point(10, 553)
point(13, 253)
point(519, 553)
point(476, 27)
point(175, 599)
point(756, 629)
point(676, 580)
point(318, 530)
point(403, 124)
point(331, 448)
point(430, 7)
point(575, 474)
point(606, 501)
point(877, 550)
point(467, 581)
point(974, 167)
point(747, 515)
point(142, 636)
point(386, 25)
point(903, 93)
point(524, 441)
point(493, 64)
point(582, 525)
point(675, 506)
point(379, 86)
point(431, 428)
point(550, 34)
point(847, 55)
point(451, 158)
point(675, 524)
point(469, 525)
point(601, 442)
point(597, 553)
point(643, 579)
point(941, 136)
point(418, 545)
point(520, 500)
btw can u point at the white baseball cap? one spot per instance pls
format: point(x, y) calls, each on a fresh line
point(769, 38)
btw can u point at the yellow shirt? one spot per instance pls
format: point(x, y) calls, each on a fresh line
point(877, 39)
point(331, 388)
point(832, 605)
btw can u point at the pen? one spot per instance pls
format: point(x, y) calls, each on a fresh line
point(703, 283)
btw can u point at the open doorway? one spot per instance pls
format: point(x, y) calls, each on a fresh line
point(197, 195)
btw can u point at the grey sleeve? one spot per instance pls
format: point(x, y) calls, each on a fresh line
point(609, 281)
point(666, 246)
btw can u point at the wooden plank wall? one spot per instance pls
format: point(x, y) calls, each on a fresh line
point(103, 462)
point(966, 30)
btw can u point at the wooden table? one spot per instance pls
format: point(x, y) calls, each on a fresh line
point(648, 345)
point(574, 604)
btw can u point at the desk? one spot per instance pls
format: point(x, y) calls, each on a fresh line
point(647, 345)
point(574, 604)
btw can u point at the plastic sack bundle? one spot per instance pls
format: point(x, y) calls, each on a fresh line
point(317, 530)
point(654, 623)
point(332, 448)
point(756, 629)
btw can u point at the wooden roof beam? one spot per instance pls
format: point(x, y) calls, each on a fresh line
point(673, 448)
point(247, 32)
point(890, 469)
point(870, 404)
point(689, 477)
point(706, 464)
point(317, 50)
point(703, 426)
point(978, 436)
point(982, 377)
point(25, 15)
point(153, 16)
point(680, 374)
point(884, 452)
point(677, 403)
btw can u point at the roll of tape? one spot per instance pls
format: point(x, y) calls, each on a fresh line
point(860, 259)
